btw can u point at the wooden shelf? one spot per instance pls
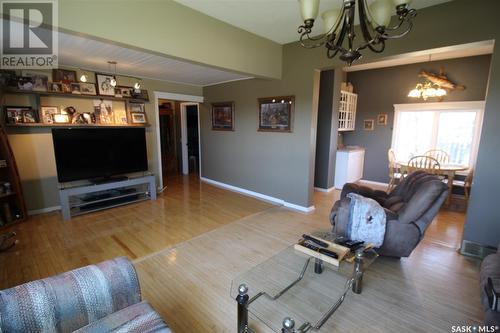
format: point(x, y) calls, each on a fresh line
point(41, 125)
point(68, 95)
point(6, 195)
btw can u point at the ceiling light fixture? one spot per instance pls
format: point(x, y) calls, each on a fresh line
point(83, 78)
point(340, 34)
point(113, 80)
point(137, 86)
point(426, 90)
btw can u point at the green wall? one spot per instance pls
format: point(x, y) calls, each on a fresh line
point(292, 165)
point(168, 28)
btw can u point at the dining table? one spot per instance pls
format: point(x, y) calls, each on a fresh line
point(446, 169)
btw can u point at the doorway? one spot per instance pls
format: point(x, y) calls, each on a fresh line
point(193, 138)
point(169, 138)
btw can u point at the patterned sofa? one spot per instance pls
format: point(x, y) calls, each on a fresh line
point(98, 298)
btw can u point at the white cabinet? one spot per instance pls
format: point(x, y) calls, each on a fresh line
point(347, 110)
point(349, 166)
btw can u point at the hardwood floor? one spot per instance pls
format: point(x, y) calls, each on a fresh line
point(430, 291)
point(189, 245)
point(188, 208)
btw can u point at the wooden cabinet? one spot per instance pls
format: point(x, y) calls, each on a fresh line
point(347, 111)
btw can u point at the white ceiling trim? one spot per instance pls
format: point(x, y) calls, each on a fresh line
point(442, 53)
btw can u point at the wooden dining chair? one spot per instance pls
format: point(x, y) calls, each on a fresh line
point(395, 174)
point(426, 163)
point(466, 184)
point(440, 155)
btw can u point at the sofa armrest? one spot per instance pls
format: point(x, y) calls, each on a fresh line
point(71, 300)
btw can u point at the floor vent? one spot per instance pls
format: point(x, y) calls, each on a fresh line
point(477, 250)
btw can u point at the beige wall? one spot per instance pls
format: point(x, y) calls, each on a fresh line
point(33, 148)
point(166, 27)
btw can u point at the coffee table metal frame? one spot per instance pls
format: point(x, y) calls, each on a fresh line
point(354, 282)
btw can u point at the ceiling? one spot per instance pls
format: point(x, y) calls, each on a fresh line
point(276, 20)
point(84, 53)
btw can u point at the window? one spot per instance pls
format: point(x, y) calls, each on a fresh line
point(454, 127)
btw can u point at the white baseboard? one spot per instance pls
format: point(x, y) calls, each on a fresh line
point(43, 210)
point(260, 196)
point(325, 190)
point(371, 182)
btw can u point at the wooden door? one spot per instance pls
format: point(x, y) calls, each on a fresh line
point(168, 140)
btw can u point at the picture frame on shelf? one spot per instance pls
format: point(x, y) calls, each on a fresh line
point(25, 83)
point(135, 107)
point(368, 124)
point(47, 114)
point(55, 87)
point(103, 109)
point(120, 117)
point(64, 75)
point(104, 87)
point(14, 114)
point(88, 88)
point(29, 116)
point(382, 119)
point(123, 91)
point(61, 118)
point(138, 118)
point(66, 87)
point(39, 79)
point(76, 88)
point(142, 94)
point(276, 114)
point(223, 116)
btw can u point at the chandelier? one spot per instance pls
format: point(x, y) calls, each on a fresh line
point(426, 90)
point(339, 35)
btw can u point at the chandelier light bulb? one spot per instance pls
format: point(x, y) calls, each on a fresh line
point(113, 82)
point(415, 93)
point(83, 78)
point(137, 85)
point(309, 9)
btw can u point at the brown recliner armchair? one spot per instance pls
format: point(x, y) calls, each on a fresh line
point(410, 207)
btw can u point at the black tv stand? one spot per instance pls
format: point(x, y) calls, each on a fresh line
point(105, 180)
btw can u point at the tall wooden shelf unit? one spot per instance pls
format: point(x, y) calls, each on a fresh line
point(12, 205)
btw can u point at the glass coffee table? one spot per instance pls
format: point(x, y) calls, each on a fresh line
point(294, 292)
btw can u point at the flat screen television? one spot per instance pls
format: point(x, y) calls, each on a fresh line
point(97, 153)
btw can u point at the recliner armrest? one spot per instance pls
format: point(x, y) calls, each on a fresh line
point(367, 192)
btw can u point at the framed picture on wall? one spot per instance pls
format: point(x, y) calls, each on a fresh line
point(369, 124)
point(223, 116)
point(382, 119)
point(276, 113)
point(104, 86)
